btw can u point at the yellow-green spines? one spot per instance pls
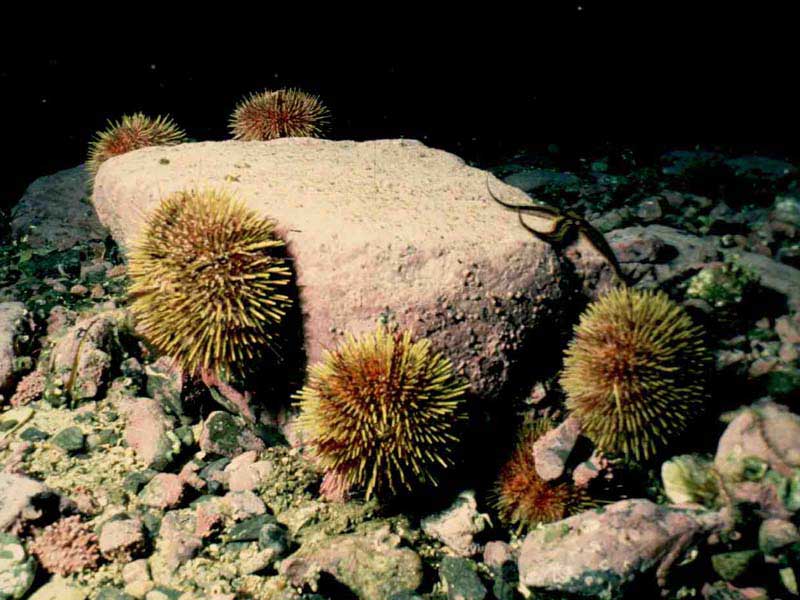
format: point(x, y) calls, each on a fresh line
point(275, 114)
point(381, 412)
point(635, 372)
point(131, 133)
point(207, 283)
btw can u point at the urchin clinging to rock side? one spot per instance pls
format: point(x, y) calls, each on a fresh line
point(131, 133)
point(635, 373)
point(275, 114)
point(381, 412)
point(207, 282)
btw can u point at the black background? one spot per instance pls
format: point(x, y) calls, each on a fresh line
point(577, 75)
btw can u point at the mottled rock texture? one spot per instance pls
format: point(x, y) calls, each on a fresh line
point(380, 230)
point(59, 209)
point(12, 315)
point(767, 432)
point(598, 553)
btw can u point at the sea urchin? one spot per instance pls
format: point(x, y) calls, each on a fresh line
point(274, 114)
point(206, 281)
point(131, 133)
point(523, 498)
point(635, 372)
point(380, 412)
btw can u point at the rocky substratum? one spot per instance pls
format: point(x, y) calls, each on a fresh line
point(380, 230)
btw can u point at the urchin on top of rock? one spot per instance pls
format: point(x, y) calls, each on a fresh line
point(387, 229)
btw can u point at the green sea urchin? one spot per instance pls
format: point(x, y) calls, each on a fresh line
point(274, 114)
point(635, 372)
point(131, 133)
point(523, 498)
point(206, 282)
point(380, 412)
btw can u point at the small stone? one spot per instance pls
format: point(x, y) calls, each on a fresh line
point(59, 589)
point(139, 589)
point(78, 290)
point(137, 480)
point(649, 210)
point(370, 564)
point(241, 505)
point(165, 384)
point(70, 440)
point(163, 593)
point(775, 534)
point(165, 490)
point(227, 435)
point(588, 470)
point(788, 330)
point(460, 579)
point(33, 434)
point(762, 366)
point(137, 570)
point(17, 569)
point(496, 553)
point(274, 536)
point(97, 291)
point(12, 326)
point(789, 580)
point(213, 474)
point(148, 430)
point(552, 450)
point(732, 565)
point(249, 529)
point(23, 500)
point(109, 593)
point(456, 526)
point(177, 540)
point(121, 540)
point(765, 431)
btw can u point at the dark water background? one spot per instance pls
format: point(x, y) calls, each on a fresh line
point(579, 78)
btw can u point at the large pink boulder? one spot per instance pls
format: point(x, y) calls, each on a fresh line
point(381, 230)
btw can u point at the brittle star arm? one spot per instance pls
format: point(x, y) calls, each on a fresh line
point(544, 209)
point(562, 226)
point(554, 237)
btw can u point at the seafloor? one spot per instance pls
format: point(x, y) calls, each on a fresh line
point(121, 479)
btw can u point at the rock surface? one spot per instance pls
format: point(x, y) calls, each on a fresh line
point(23, 499)
point(149, 432)
point(83, 357)
point(552, 450)
point(767, 432)
point(58, 207)
point(457, 526)
point(371, 564)
point(674, 252)
point(442, 257)
point(11, 319)
point(16, 568)
point(597, 553)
